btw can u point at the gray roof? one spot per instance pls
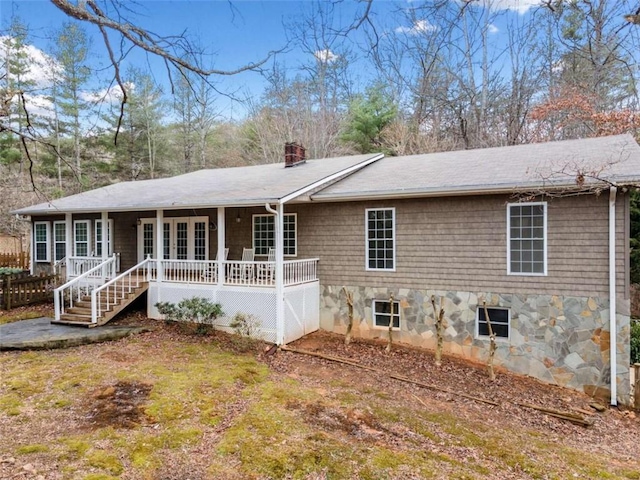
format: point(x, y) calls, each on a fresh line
point(251, 185)
point(490, 170)
point(493, 170)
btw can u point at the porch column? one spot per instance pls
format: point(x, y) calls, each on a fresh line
point(32, 249)
point(279, 225)
point(68, 236)
point(104, 219)
point(159, 244)
point(221, 245)
point(68, 241)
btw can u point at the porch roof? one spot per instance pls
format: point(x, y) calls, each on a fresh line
point(239, 186)
point(493, 170)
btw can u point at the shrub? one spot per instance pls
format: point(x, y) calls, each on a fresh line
point(197, 310)
point(246, 329)
point(635, 341)
point(9, 270)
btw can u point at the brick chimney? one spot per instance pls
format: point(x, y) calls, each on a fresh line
point(293, 154)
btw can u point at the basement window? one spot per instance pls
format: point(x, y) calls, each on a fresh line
point(499, 318)
point(382, 314)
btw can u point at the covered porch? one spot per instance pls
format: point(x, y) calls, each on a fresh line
point(195, 247)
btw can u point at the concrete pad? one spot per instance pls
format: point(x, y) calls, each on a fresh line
point(40, 333)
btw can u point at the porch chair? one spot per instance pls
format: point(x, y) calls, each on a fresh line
point(243, 272)
point(210, 272)
point(266, 271)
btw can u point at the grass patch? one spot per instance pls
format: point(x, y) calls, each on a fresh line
point(75, 447)
point(105, 461)
point(264, 424)
point(10, 404)
point(17, 316)
point(99, 476)
point(28, 449)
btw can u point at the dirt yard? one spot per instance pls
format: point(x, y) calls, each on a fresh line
point(170, 404)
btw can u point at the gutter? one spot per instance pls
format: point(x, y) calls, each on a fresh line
point(278, 215)
point(612, 296)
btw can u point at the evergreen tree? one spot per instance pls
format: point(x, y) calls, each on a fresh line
point(71, 51)
point(18, 84)
point(368, 115)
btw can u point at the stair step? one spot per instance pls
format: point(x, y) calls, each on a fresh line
point(79, 310)
point(76, 317)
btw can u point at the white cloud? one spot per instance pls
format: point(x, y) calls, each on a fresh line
point(112, 94)
point(491, 28)
point(418, 27)
point(325, 55)
point(520, 6)
point(42, 68)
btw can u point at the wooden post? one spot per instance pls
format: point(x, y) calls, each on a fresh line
point(388, 349)
point(492, 340)
point(349, 295)
point(438, 317)
point(636, 387)
point(7, 293)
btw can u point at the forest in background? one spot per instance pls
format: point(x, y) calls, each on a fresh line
point(569, 69)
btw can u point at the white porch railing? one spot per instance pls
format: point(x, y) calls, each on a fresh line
point(300, 271)
point(77, 266)
point(249, 274)
point(82, 285)
point(185, 271)
point(109, 294)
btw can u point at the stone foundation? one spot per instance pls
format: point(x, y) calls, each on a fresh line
point(560, 340)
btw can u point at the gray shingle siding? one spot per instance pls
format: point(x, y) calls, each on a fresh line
point(459, 243)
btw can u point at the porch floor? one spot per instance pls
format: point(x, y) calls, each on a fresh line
point(40, 333)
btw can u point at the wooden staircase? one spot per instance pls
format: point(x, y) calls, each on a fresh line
point(119, 298)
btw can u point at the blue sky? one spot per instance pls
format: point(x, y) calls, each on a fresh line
point(235, 32)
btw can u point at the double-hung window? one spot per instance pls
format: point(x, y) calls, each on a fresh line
point(527, 238)
point(41, 246)
point(59, 240)
point(264, 234)
point(380, 242)
point(98, 237)
point(81, 235)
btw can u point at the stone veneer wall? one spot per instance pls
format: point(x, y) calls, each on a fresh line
point(561, 340)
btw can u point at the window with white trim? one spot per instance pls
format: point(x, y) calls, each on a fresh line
point(380, 233)
point(98, 237)
point(382, 314)
point(81, 234)
point(500, 319)
point(264, 234)
point(59, 240)
point(148, 241)
point(41, 247)
point(527, 238)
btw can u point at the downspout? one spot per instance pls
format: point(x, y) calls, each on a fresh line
point(279, 271)
point(612, 295)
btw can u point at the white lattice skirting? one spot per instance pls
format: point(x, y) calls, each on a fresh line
point(301, 305)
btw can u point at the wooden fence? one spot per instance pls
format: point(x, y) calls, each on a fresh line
point(24, 289)
point(15, 260)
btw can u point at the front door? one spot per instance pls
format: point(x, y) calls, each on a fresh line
point(183, 238)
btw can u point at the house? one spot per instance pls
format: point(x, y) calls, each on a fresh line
point(540, 233)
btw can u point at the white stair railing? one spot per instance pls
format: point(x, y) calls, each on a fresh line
point(110, 293)
point(80, 286)
point(77, 266)
point(59, 265)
